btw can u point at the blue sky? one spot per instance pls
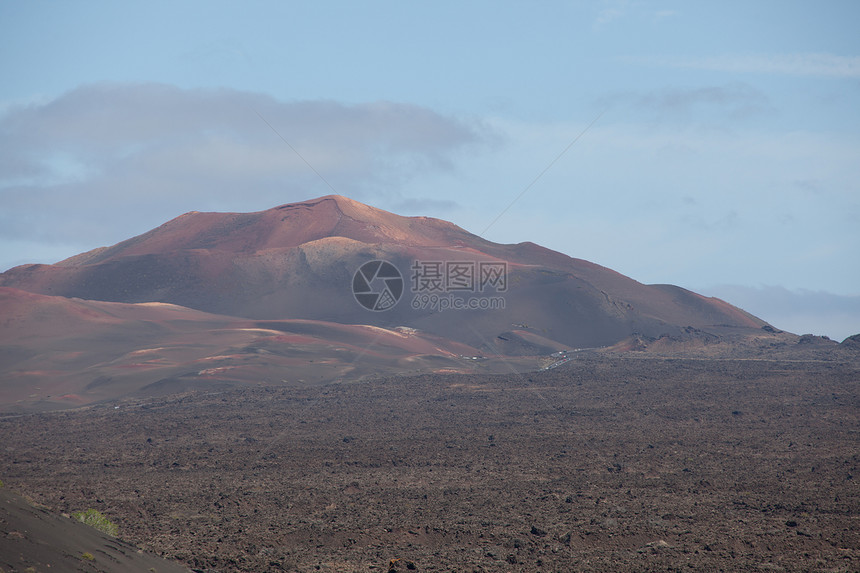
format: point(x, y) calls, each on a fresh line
point(725, 155)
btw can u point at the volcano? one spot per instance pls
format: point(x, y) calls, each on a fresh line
point(318, 291)
point(300, 261)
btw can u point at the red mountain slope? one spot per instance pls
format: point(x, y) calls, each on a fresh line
point(57, 352)
point(298, 261)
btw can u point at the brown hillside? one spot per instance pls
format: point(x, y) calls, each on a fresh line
point(297, 261)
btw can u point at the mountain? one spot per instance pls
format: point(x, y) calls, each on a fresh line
point(299, 261)
point(327, 290)
point(57, 352)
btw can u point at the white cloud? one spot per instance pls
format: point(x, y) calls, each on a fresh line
point(808, 64)
point(734, 101)
point(103, 161)
point(661, 15)
point(610, 11)
point(614, 10)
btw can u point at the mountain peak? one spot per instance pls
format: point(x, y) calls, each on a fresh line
point(361, 222)
point(343, 202)
point(298, 260)
point(286, 226)
point(339, 201)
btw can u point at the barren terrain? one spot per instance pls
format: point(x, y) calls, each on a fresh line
point(607, 463)
point(208, 301)
point(233, 405)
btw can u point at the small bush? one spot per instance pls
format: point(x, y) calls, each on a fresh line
point(87, 556)
point(97, 519)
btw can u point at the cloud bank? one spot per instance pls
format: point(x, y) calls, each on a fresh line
point(714, 103)
point(103, 159)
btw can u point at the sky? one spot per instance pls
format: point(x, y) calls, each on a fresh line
point(711, 145)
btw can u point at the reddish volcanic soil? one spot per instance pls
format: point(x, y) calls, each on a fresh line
point(58, 352)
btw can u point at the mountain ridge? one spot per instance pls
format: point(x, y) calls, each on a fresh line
point(213, 299)
point(217, 231)
point(297, 261)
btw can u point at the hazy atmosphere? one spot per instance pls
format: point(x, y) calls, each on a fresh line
point(715, 146)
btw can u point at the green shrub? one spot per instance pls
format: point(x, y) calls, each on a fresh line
point(97, 519)
point(87, 556)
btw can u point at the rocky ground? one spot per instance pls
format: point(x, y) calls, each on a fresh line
point(605, 463)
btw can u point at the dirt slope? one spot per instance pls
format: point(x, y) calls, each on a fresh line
point(57, 352)
point(33, 538)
